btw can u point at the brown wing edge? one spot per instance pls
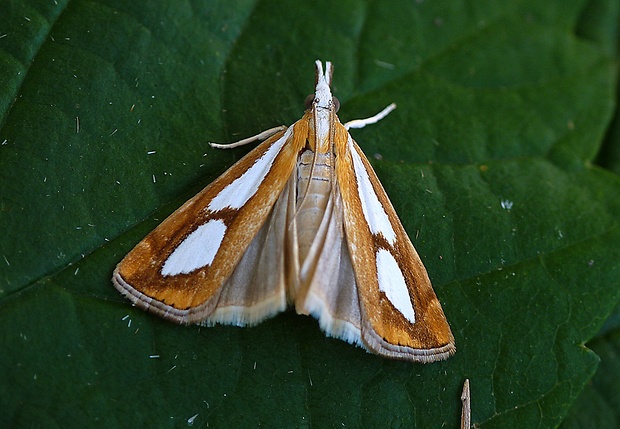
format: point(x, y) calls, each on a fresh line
point(148, 303)
point(377, 344)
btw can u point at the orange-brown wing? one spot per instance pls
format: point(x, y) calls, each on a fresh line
point(400, 314)
point(178, 271)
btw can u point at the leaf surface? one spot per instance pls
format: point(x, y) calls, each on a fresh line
point(493, 160)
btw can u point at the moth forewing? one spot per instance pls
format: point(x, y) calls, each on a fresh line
point(403, 317)
point(188, 294)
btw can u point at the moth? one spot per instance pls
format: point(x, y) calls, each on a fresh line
point(300, 220)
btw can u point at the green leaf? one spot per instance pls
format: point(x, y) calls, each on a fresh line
point(503, 109)
point(599, 403)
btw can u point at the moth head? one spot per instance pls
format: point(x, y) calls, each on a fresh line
point(311, 99)
point(322, 97)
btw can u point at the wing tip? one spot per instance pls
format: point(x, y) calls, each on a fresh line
point(376, 344)
point(146, 302)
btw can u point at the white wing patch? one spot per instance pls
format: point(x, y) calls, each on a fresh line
point(197, 250)
point(373, 210)
point(392, 283)
point(240, 190)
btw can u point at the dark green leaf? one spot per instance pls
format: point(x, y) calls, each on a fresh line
point(503, 107)
point(599, 403)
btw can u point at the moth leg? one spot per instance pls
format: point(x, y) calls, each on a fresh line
point(361, 123)
point(260, 136)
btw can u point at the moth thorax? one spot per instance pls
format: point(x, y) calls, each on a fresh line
point(314, 184)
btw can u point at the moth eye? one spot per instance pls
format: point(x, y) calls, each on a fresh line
point(336, 103)
point(308, 101)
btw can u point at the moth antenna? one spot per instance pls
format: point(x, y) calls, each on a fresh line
point(318, 71)
point(329, 72)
